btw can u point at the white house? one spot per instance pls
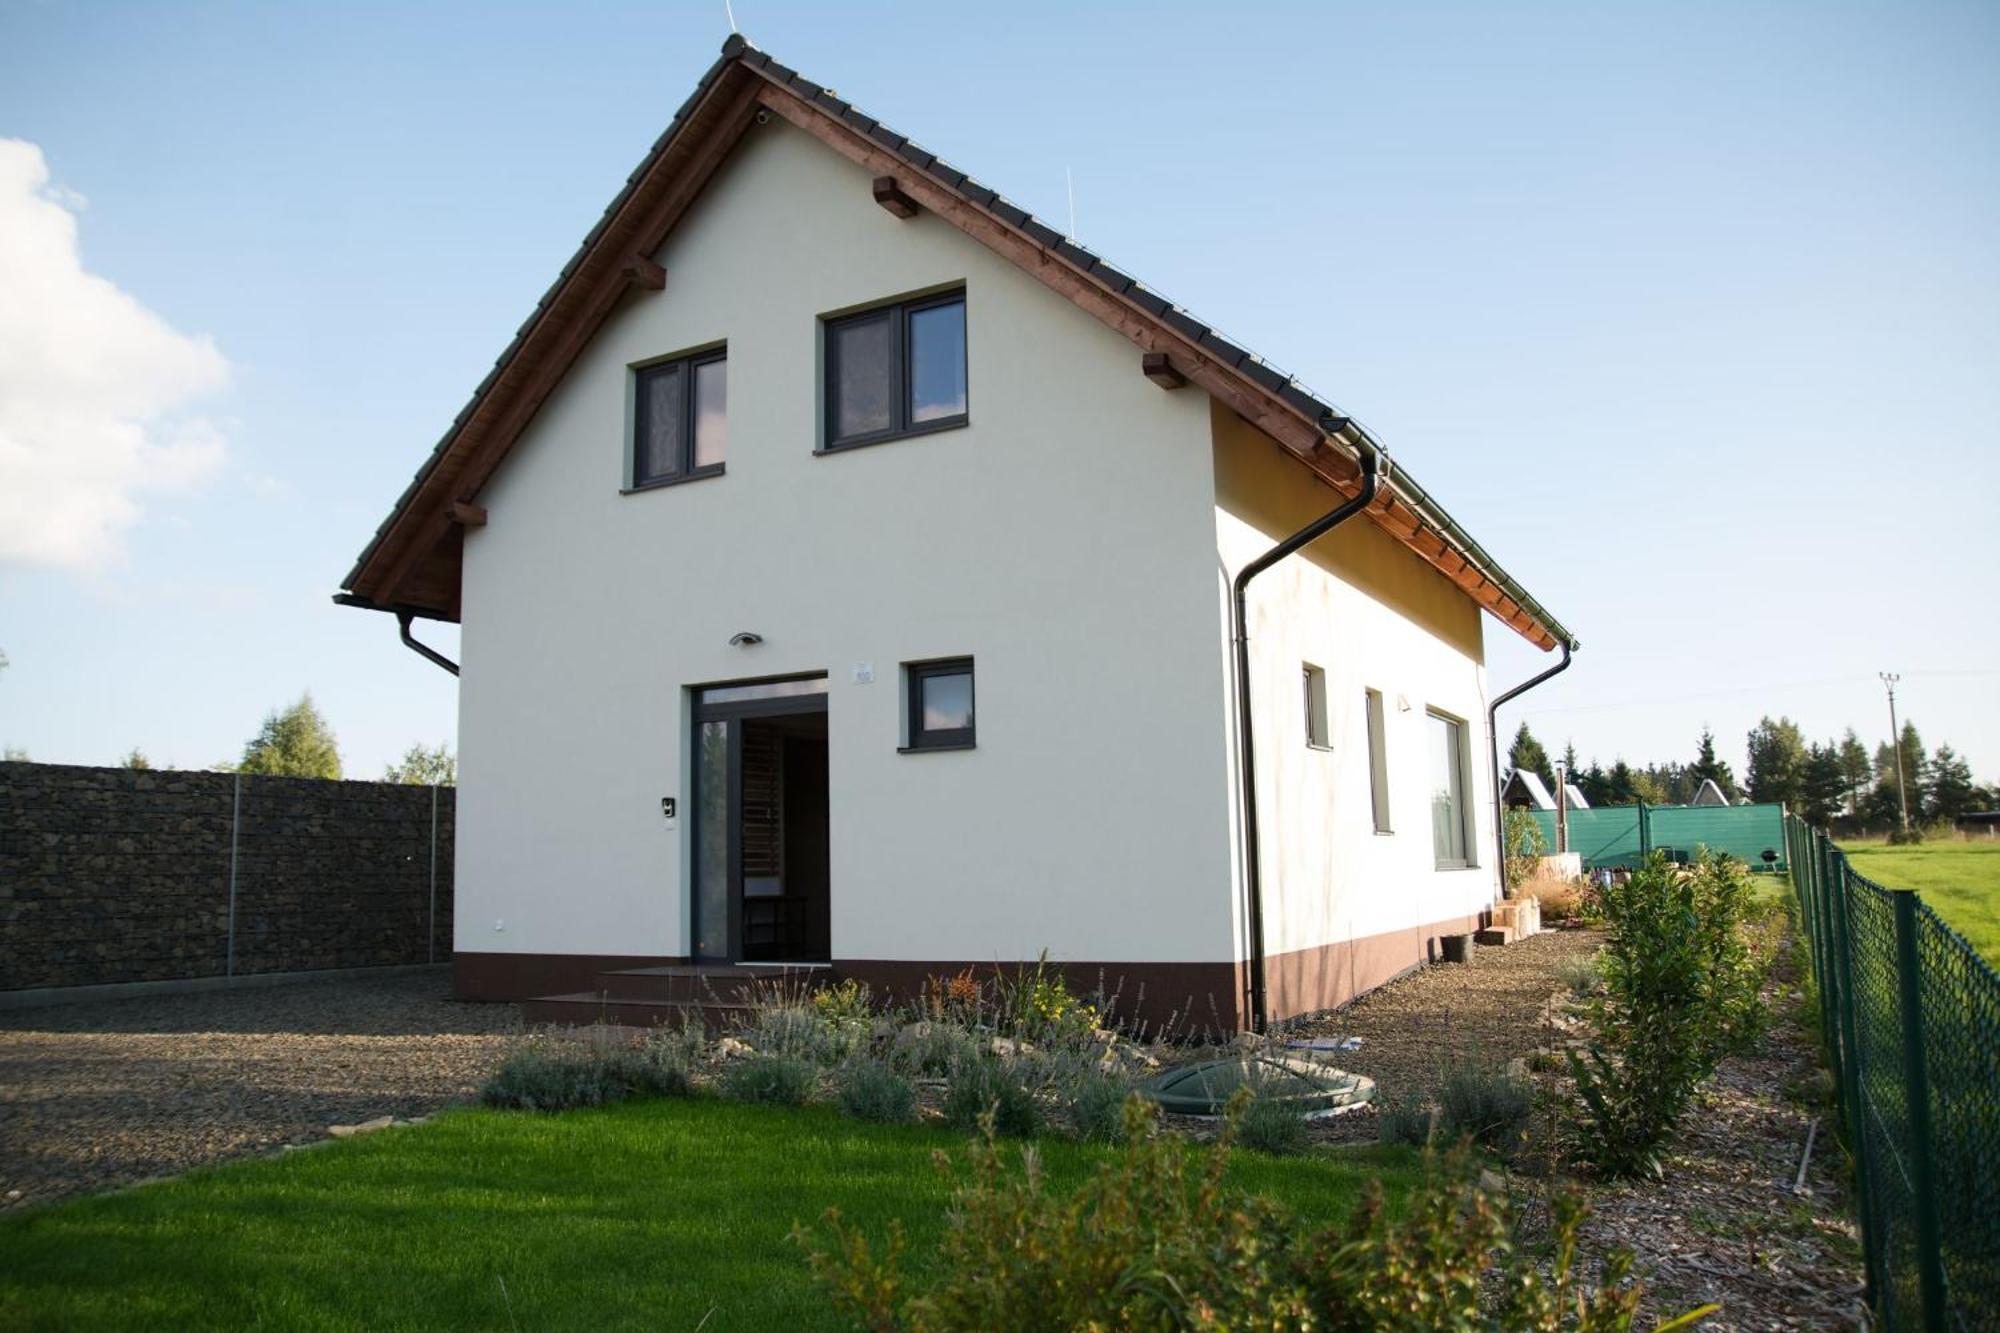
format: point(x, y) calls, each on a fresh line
point(845, 563)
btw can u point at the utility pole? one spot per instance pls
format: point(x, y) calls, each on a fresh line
point(1889, 679)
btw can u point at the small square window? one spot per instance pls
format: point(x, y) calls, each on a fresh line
point(894, 371)
point(940, 704)
point(680, 419)
point(1316, 726)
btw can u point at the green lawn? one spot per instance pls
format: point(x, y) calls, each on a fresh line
point(648, 1214)
point(1960, 881)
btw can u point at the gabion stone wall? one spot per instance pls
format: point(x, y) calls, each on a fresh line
point(110, 875)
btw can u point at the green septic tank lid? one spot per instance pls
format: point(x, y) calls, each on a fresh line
point(1205, 1088)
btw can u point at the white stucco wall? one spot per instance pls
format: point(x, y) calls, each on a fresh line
point(1065, 539)
point(1373, 616)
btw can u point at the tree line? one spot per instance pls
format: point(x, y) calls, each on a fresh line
point(1839, 779)
point(297, 742)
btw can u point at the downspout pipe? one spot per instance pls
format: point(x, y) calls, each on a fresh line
point(1493, 753)
point(403, 619)
point(1246, 754)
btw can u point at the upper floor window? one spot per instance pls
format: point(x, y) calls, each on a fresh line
point(896, 370)
point(680, 418)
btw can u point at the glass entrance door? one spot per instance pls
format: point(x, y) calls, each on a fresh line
point(759, 884)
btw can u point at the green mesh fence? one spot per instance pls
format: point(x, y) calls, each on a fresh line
point(1911, 1020)
point(1621, 835)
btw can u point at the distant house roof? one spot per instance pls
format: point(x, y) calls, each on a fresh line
point(1575, 793)
point(1527, 789)
point(1708, 794)
point(413, 562)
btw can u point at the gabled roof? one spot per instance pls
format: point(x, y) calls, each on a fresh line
point(412, 563)
point(1525, 786)
point(1708, 794)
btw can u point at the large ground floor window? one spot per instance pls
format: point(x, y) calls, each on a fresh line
point(1448, 797)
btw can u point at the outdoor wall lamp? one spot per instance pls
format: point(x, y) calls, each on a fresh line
point(745, 639)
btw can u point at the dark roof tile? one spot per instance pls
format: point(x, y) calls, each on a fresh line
point(1261, 371)
point(1181, 322)
point(1076, 254)
point(1302, 401)
point(1045, 235)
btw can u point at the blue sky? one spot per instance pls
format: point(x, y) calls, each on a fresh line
point(1691, 313)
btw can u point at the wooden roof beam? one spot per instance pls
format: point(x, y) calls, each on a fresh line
point(891, 196)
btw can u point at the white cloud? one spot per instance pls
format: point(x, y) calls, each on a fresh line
point(94, 387)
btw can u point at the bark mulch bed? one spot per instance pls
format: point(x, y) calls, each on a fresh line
point(1724, 1223)
point(107, 1093)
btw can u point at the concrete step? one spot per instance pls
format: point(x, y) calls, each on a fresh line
point(1494, 935)
point(695, 983)
point(593, 1008)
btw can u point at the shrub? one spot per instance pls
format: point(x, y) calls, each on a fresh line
point(1486, 1102)
point(1580, 974)
point(1525, 846)
point(1272, 1125)
point(1681, 991)
point(932, 1047)
point(789, 1028)
point(959, 998)
point(1153, 1240)
point(1406, 1119)
point(556, 1075)
point(1091, 1106)
point(871, 1090)
point(846, 1005)
point(785, 1080)
point(662, 1066)
point(987, 1085)
point(543, 1077)
point(1037, 1004)
point(1565, 899)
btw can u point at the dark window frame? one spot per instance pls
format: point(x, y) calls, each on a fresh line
point(922, 738)
point(688, 363)
point(900, 427)
point(1319, 722)
point(1376, 717)
point(1462, 797)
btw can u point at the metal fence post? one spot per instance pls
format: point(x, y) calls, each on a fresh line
point(1916, 1081)
point(235, 830)
point(1852, 1085)
point(431, 931)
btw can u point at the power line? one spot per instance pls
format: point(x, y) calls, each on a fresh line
point(1655, 700)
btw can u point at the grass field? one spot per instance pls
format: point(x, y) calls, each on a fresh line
point(1960, 881)
point(655, 1214)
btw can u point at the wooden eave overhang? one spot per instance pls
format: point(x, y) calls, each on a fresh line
point(412, 563)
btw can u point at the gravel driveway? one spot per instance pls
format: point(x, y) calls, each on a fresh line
point(103, 1094)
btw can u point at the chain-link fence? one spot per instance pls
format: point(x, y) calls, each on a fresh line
point(1911, 1020)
